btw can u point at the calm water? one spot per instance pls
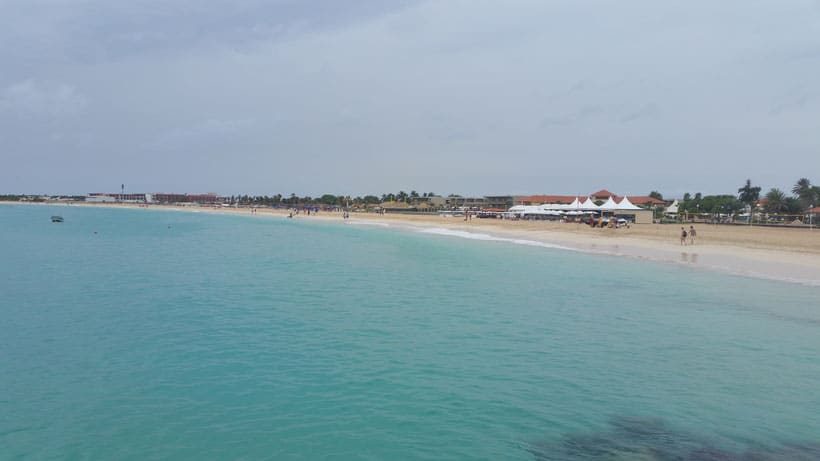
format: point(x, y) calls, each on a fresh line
point(190, 336)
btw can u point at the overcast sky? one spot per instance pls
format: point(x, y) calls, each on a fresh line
point(358, 97)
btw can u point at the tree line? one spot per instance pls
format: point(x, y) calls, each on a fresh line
point(803, 196)
point(326, 199)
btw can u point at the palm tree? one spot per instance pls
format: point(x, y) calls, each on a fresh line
point(805, 192)
point(749, 195)
point(775, 200)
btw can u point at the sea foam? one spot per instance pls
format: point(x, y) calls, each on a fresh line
point(491, 238)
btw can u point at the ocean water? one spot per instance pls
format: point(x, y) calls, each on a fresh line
point(141, 334)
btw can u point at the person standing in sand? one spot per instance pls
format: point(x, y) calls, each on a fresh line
point(683, 236)
point(692, 234)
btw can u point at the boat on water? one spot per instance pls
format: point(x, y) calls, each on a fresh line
point(56, 219)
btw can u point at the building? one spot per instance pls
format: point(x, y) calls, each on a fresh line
point(470, 203)
point(638, 209)
point(100, 198)
point(203, 199)
point(497, 202)
point(433, 202)
point(542, 199)
point(103, 197)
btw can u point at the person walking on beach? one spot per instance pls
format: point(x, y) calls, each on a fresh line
point(692, 234)
point(683, 236)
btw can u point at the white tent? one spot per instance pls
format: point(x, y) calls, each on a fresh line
point(555, 206)
point(673, 208)
point(625, 204)
point(609, 205)
point(589, 204)
point(531, 210)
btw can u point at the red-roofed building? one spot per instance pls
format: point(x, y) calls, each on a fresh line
point(542, 199)
point(644, 201)
point(603, 194)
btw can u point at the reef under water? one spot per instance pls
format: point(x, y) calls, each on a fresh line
point(651, 439)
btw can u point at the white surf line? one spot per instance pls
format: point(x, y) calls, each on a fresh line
point(728, 270)
point(367, 223)
point(490, 238)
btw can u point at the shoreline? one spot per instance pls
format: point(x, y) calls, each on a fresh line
point(785, 255)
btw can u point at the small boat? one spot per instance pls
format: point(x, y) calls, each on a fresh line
point(56, 219)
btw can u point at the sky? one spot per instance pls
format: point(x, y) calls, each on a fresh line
point(367, 97)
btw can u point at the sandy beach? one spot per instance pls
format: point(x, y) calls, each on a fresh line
point(786, 254)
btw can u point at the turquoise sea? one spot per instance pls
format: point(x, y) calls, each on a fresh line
point(146, 334)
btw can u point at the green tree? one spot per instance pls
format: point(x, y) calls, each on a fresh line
point(686, 204)
point(793, 206)
point(805, 192)
point(775, 200)
point(329, 199)
point(656, 195)
point(720, 204)
point(749, 195)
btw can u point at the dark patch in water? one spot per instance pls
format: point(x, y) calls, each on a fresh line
point(651, 439)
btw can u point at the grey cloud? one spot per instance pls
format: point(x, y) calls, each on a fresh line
point(30, 98)
point(792, 103)
point(650, 110)
point(378, 94)
point(98, 31)
point(571, 118)
point(200, 135)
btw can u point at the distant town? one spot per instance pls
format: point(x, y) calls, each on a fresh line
point(775, 206)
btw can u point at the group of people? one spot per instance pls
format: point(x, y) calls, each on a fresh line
point(691, 234)
point(611, 223)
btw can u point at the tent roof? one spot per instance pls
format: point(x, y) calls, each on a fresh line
point(589, 204)
point(609, 205)
point(625, 204)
